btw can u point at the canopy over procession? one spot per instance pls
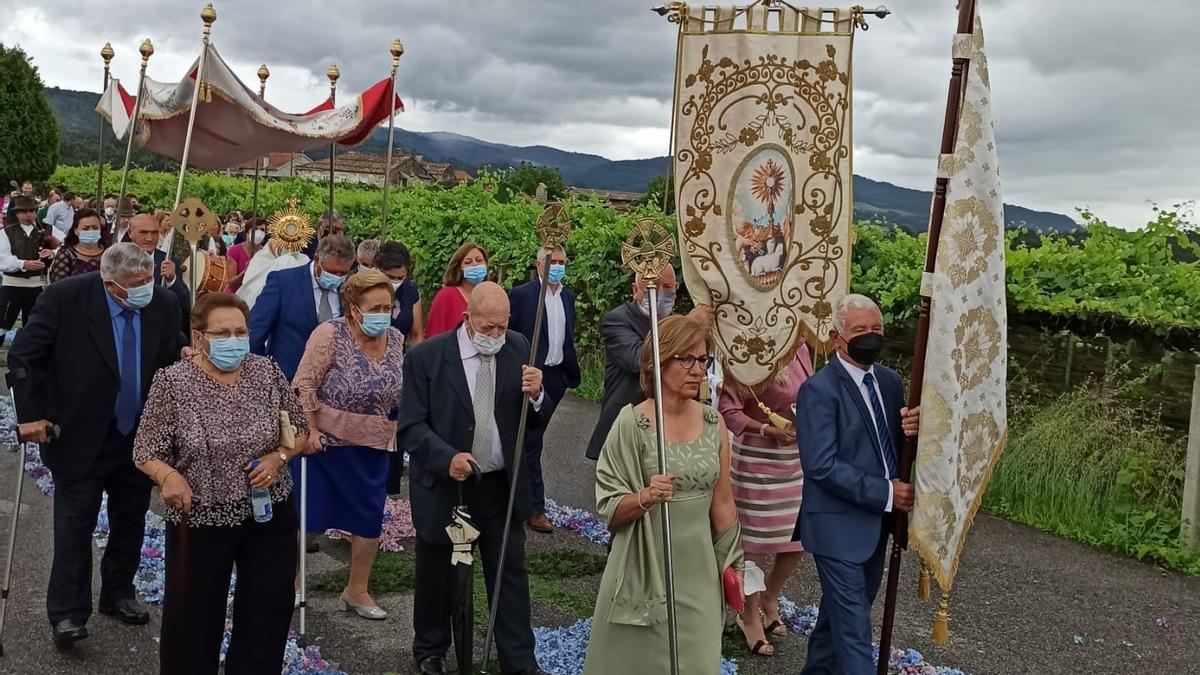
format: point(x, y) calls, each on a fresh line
point(262, 377)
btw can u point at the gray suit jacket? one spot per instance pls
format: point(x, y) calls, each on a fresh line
point(624, 330)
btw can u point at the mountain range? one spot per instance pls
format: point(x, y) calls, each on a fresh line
point(873, 200)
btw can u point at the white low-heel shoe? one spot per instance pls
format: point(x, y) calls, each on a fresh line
point(375, 613)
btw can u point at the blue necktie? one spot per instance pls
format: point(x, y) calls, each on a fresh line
point(885, 438)
point(127, 397)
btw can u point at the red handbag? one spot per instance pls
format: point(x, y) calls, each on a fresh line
point(733, 590)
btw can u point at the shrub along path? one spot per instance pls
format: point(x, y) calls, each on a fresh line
point(1026, 602)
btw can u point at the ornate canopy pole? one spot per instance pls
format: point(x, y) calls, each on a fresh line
point(208, 15)
point(248, 226)
point(397, 49)
point(106, 53)
point(553, 227)
point(647, 251)
point(333, 74)
point(908, 452)
point(146, 50)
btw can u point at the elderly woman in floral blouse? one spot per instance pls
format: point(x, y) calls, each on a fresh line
point(349, 382)
point(207, 420)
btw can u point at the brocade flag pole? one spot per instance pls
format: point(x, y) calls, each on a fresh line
point(908, 451)
point(208, 15)
point(397, 49)
point(146, 50)
point(647, 251)
point(106, 53)
point(248, 226)
point(553, 227)
point(333, 74)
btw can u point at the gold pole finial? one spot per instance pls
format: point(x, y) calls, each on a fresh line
point(333, 74)
point(263, 74)
point(146, 50)
point(397, 50)
point(107, 53)
point(209, 16)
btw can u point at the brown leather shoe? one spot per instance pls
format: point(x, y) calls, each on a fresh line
point(540, 523)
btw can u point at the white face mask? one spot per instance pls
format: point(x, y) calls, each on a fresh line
point(259, 235)
point(487, 345)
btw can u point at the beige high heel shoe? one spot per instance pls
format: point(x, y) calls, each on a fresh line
point(375, 613)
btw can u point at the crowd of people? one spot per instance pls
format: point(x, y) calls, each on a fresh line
point(333, 362)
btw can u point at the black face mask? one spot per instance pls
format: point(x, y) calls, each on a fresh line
point(865, 348)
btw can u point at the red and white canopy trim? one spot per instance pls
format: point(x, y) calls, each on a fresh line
point(236, 125)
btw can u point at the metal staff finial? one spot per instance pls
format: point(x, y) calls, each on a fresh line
point(209, 16)
point(648, 250)
point(396, 50)
point(106, 53)
point(146, 49)
point(248, 225)
point(333, 74)
point(263, 74)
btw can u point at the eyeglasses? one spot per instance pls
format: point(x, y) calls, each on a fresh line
point(240, 334)
point(689, 361)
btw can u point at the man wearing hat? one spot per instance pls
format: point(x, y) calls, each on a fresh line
point(125, 211)
point(26, 247)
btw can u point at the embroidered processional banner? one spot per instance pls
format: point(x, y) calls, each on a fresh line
point(963, 414)
point(233, 124)
point(763, 175)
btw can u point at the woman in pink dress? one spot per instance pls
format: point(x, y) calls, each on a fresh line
point(767, 485)
point(239, 256)
point(466, 269)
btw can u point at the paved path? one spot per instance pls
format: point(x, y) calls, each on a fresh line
point(1022, 602)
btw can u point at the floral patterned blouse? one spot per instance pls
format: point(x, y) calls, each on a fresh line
point(209, 432)
point(69, 262)
point(356, 398)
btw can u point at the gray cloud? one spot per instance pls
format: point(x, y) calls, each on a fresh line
point(1095, 100)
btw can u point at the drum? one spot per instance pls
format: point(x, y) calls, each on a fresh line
point(212, 274)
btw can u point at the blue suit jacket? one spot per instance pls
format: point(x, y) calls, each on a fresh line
point(845, 492)
point(523, 302)
point(283, 318)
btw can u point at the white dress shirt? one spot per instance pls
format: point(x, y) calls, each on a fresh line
point(60, 216)
point(556, 325)
point(471, 360)
point(335, 301)
point(858, 374)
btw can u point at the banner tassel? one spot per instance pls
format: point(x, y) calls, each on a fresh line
point(923, 583)
point(941, 621)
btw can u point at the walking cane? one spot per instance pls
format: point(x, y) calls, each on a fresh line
point(53, 432)
point(647, 251)
point(177, 583)
point(553, 226)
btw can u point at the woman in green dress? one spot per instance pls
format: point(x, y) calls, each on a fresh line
point(629, 629)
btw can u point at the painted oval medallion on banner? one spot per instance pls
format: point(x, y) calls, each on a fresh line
point(760, 215)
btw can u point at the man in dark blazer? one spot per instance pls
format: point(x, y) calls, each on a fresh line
point(143, 231)
point(85, 362)
point(624, 330)
point(850, 425)
point(463, 392)
point(556, 359)
point(295, 301)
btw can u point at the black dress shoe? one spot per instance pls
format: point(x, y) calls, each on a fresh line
point(432, 665)
point(67, 632)
point(128, 611)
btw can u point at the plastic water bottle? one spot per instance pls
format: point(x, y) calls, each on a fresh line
point(260, 500)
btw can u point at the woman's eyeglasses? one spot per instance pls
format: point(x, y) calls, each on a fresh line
point(226, 334)
point(689, 361)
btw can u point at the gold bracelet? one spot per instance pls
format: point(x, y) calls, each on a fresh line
point(639, 501)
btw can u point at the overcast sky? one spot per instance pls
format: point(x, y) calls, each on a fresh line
point(1096, 102)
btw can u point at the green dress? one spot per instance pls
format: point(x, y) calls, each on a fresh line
point(629, 628)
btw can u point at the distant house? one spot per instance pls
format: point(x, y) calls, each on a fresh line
point(366, 168)
point(462, 176)
point(275, 165)
point(620, 201)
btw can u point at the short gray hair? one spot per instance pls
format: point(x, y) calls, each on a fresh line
point(330, 216)
point(848, 302)
point(335, 247)
point(368, 247)
point(124, 260)
point(544, 251)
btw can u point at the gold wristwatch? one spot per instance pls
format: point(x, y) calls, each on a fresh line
point(283, 457)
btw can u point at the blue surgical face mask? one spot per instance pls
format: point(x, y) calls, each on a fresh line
point(556, 274)
point(89, 237)
point(475, 273)
point(228, 239)
point(228, 353)
point(330, 282)
point(138, 296)
point(375, 325)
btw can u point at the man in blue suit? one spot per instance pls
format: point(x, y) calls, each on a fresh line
point(850, 424)
point(555, 357)
point(295, 301)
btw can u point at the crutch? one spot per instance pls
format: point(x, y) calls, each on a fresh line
point(53, 432)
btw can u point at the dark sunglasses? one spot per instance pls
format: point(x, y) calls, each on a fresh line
point(688, 361)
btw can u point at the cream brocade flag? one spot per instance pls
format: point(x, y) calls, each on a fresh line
point(762, 167)
point(963, 416)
